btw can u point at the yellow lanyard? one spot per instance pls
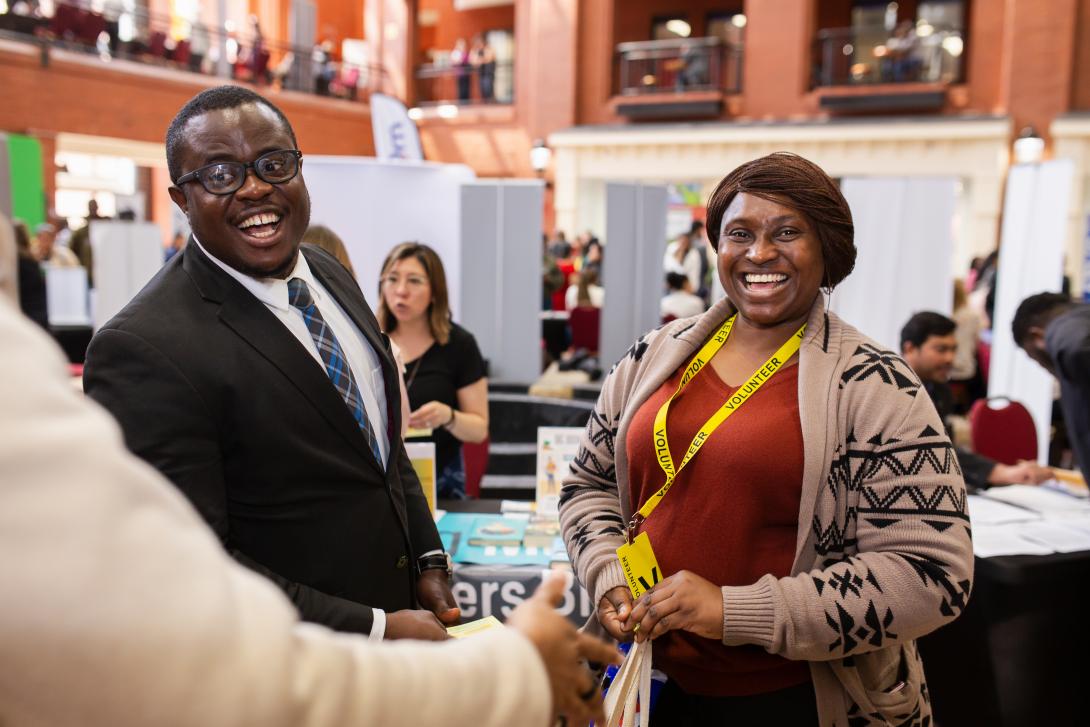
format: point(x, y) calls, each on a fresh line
point(704, 356)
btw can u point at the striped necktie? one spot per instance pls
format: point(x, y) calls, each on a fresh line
point(336, 363)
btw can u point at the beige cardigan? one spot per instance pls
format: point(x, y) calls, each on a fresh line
point(121, 609)
point(883, 553)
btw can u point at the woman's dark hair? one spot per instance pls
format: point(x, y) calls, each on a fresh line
point(789, 179)
point(439, 309)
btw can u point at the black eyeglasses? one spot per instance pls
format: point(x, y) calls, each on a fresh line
point(275, 167)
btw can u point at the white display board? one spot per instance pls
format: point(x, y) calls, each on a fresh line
point(632, 266)
point(66, 295)
point(126, 256)
point(904, 237)
point(1031, 258)
point(374, 205)
point(501, 274)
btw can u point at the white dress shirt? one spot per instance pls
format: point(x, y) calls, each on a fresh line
point(362, 359)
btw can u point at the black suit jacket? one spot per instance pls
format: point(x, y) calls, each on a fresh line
point(214, 392)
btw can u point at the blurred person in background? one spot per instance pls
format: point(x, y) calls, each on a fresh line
point(680, 301)
point(444, 371)
point(929, 345)
point(328, 240)
point(965, 379)
point(1054, 331)
point(31, 279)
point(585, 291)
point(683, 257)
point(47, 251)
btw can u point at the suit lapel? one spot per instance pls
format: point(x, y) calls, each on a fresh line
point(256, 325)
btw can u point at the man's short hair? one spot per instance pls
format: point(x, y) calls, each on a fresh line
point(923, 326)
point(675, 281)
point(1034, 312)
point(213, 99)
point(697, 227)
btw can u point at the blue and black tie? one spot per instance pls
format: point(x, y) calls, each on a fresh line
point(336, 363)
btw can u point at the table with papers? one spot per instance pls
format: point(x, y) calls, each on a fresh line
point(492, 580)
point(1004, 661)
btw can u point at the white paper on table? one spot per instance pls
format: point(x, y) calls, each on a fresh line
point(994, 540)
point(1045, 501)
point(1060, 536)
point(986, 511)
point(508, 507)
point(1067, 488)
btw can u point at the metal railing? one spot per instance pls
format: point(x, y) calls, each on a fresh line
point(857, 56)
point(462, 85)
point(152, 39)
point(681, 65)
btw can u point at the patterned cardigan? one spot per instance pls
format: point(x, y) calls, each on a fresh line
point(883, 552)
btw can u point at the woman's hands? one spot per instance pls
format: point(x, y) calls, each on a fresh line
point(432, 415)
point(613, 611)
point(684, 601)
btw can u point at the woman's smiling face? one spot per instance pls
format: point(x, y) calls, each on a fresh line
point(769, 260)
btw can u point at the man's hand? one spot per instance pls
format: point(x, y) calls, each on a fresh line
point(432, 415)
point(1023, 473)
point(433, 592)
point(414, 624)
point(613, 611)
point(575, 694)
point(683, 601)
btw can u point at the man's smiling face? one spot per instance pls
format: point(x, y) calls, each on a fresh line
point(256, 230)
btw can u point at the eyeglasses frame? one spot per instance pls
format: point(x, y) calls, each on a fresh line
point(194, 176)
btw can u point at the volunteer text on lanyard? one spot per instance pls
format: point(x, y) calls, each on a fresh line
point(638, 561)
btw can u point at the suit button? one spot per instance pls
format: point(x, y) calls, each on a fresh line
point(402, 561)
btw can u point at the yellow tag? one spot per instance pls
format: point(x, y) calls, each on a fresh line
point(641, 569)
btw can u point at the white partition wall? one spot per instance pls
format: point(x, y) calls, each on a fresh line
point(126, 256)
point(1030, 261)
point(501, 274)
point(632, 271)
point(904, 237)
point(373, 205)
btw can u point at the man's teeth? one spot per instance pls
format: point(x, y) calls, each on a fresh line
point(267, 218)
point(765, 278)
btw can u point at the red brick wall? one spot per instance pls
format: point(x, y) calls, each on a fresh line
point(1080, 97)
point(89, 97)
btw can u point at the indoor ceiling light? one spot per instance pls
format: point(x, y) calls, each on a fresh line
point(738, 21)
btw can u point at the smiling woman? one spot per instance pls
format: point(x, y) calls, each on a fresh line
point(797, 494)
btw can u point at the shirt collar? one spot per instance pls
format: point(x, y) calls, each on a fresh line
point(273, 292)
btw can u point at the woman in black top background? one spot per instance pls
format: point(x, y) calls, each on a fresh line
point(444, 370)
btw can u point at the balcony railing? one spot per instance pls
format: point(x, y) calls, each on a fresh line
point(462, 85)
point(857, 56)
point(146, 38)
point(681, 65)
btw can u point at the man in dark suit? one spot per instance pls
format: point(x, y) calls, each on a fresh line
point(254, 376)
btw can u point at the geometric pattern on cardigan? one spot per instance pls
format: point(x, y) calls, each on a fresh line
point(886, 365)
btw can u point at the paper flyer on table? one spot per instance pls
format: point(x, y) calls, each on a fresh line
point(557, 448)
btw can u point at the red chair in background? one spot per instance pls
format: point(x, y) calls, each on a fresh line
point(157, 44)
point(1006, 434)
point(66, 22)
point(91, 26)
point(476, 463)
point(182, 53)
point(585, 323)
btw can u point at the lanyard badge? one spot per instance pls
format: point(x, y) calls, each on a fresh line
point(641, 568)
